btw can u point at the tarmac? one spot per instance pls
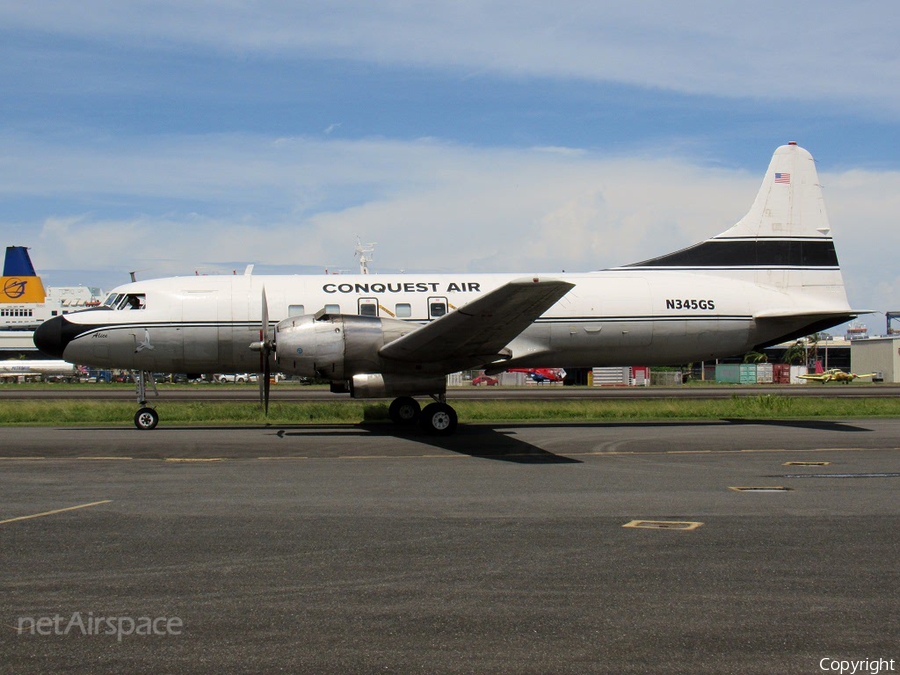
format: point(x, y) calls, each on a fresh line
point(503, 549)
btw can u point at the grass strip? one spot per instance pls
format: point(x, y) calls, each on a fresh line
point(114, 413)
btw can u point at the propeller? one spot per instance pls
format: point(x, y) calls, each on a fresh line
point(265, 347)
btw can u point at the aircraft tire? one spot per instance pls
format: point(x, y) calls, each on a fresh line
point(438, 419)
point(146, 419)
point(405, 411)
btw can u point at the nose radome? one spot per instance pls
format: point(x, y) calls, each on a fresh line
point(48, 337)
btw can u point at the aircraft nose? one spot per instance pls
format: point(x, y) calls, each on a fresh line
point(49, 337)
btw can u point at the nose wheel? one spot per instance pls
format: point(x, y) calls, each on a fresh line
point(146, 418)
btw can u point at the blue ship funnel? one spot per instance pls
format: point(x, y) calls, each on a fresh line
point(18, 263)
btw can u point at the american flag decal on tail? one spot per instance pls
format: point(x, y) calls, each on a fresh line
point(783, 178)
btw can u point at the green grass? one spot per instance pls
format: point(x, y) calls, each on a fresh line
point(114, 413)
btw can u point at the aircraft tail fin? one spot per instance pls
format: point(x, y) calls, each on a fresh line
point(783, 242)
point(20, 283)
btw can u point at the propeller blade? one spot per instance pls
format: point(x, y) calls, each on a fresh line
point(264, 353)
point(266, 383)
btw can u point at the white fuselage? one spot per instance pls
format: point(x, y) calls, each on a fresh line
point(615, 317)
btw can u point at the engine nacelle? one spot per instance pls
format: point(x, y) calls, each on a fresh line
point(334, 346)
point(378, 385)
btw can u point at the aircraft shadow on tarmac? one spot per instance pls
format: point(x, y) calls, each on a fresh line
point(499, 441)
point(813, 425)
point(485, 442)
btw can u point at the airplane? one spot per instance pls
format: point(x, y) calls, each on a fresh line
point(773, 276)
point(834, 375)
point(13, 368)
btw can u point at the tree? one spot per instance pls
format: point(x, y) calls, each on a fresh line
point(795, 354)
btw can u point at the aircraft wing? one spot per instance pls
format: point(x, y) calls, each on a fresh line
point(477, 333)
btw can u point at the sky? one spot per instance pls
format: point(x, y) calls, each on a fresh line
point(170, 137)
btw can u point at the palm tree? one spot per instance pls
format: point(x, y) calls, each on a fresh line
point(795, 354)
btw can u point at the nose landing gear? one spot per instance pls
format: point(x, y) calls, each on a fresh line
point(146, 418)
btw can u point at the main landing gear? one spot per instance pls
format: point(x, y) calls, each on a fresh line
point(437, 418)
point(146, 418)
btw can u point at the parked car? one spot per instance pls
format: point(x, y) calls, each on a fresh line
point(486, 380)
point(236, 378)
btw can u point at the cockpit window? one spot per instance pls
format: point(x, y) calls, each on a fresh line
point(125, 301)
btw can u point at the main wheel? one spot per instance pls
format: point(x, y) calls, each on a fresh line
point(439, 419)
point(146, 419)
point(404, 410)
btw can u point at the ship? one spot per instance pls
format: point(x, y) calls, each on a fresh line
point(25, 303)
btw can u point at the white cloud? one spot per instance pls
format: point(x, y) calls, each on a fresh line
point(804, 50)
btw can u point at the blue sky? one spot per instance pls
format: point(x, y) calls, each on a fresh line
point(473, 136)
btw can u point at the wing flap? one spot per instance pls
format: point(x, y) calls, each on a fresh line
point(478, 332)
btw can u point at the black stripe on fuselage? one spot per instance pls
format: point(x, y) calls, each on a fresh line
point(772, 252)
point(82, 330)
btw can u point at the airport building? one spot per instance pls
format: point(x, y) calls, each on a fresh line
point(880, 355)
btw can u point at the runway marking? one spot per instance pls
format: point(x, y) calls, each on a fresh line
point(600, 453)
point(806, 464)
point(842, 475)
point(194, 459)
point(764, 488)
point(288, 457)
point(367, 456)
point(13, 459)
point(55, 511)
point(448, 456)
point(682, 525)
point(101, 458)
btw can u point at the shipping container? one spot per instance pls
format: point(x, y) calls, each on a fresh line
point(729, 373)
point(764, 373)
point(781, 373)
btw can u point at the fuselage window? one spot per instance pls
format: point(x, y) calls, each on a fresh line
point(332, 309)
point(403, 310)
point(295, 310)
point(436, 309)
